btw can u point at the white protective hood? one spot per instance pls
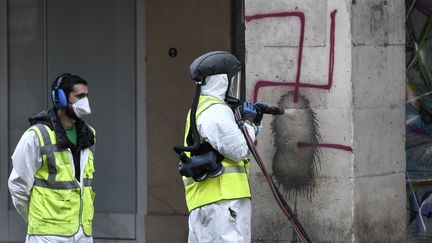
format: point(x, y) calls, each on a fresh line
point(216, 86)
point(217, 124)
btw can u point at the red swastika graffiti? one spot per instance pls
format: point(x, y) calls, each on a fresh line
point(297, 84)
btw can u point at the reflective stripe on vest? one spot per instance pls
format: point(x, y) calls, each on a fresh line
point(58, 205)
point(48, 150)
point(227, 170)
point(233, 183)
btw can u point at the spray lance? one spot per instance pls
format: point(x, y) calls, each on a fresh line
point(292, 218)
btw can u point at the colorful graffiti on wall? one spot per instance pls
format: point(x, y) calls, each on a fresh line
point(419, 119)
point(297, 150)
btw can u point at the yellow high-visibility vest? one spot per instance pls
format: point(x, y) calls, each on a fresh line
point(233, 183)
point(58, 205)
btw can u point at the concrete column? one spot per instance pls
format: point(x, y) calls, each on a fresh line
point(337, 69)
point(378, 78)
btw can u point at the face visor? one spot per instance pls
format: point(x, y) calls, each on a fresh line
point(233, 92)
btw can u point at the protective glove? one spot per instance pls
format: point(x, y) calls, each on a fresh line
point(259, 116)
point(250, 113)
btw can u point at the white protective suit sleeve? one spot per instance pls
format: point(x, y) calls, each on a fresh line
point(26, 160)
point(218, 127)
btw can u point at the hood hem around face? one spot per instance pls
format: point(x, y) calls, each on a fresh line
point(216, 86)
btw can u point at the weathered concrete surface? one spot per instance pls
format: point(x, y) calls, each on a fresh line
point(354, 109)
point(324, 205)
point(377, 77)
point(316, 213)
point(379, 121)
point(378, 147)
point(378, 22)
point(380, 208)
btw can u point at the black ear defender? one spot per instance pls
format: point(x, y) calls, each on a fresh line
point(58, 95)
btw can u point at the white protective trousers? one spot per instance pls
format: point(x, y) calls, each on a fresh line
point(226, 221)
point(79, 237)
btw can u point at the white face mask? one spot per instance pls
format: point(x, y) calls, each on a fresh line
point(82, 107)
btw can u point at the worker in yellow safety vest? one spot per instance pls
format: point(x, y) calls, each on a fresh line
point(214, 161)
point(53, 166)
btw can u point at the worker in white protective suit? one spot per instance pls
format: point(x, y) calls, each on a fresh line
point(217, 195)
point(53, 168)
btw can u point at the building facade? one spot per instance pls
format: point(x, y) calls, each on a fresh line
point(336, 67)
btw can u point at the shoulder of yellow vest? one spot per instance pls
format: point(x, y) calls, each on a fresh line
point(212, 97)
point(39, 127)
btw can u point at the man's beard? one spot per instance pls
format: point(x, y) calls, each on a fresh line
point(71, 114)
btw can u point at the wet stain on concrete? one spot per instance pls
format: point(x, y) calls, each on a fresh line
point(294, 167)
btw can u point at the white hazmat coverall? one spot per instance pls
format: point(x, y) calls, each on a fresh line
point(225, 220)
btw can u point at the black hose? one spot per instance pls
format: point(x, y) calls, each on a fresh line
point(292, 218)
point(193, 128)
